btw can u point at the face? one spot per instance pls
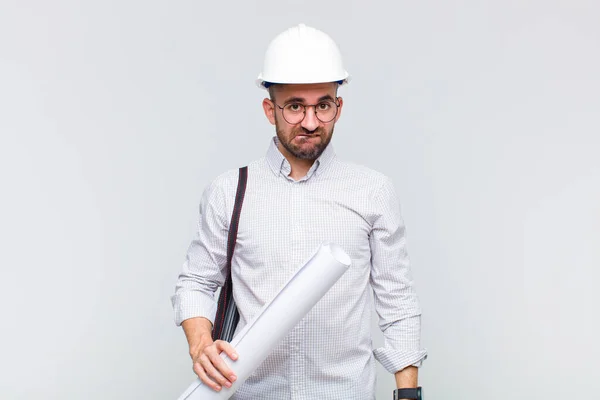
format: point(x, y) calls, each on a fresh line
point(307, 139)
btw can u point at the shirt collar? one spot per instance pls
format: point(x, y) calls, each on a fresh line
point(278, 163)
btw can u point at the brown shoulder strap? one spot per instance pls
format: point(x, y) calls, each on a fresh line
point(227, 315)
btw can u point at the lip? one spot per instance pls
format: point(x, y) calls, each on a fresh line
point(305, 138)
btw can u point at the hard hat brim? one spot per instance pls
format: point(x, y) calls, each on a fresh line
point(265, 83)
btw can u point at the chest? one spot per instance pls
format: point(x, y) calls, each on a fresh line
point(286, 222)
point(281, 225)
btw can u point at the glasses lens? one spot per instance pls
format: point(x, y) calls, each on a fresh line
point(293, 113)
point(326, 111)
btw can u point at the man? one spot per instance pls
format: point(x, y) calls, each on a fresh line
point(299, 196)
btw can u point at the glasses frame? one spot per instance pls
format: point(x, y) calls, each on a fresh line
point(305, 106)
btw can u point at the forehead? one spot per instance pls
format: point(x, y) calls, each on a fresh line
point(308, 92)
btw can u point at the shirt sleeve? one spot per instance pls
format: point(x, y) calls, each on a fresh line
point(204, 268)
point(396, 301)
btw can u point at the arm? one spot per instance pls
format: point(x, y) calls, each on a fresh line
point(203, 270)
point(407, 378)
point(197, 331)
point(194, 301)
point(395, 298)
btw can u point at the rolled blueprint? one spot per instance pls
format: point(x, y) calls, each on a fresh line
point(277, 318)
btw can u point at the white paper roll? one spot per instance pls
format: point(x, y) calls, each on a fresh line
point(260, 336)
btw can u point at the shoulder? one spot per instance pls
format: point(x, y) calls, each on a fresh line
point(226, 182)
point(222, 183)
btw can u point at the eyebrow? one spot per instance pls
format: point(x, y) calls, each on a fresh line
point(303, 100)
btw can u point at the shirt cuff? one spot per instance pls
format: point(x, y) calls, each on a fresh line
point(193, 304)
point(396, 360)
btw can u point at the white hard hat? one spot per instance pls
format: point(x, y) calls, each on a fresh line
point(302, 55)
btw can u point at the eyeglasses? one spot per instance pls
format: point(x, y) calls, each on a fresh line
point(294, 113)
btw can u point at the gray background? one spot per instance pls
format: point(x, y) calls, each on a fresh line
point(114, 115)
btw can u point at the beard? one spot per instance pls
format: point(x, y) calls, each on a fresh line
point(300, 152)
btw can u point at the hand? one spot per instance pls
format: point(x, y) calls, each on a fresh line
point(210, 366)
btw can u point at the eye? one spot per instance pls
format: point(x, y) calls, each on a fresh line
point(324, 106)
point(294, 107)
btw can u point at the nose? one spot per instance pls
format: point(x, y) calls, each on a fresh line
point(310, 121)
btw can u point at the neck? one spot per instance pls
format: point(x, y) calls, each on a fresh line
point(298, 166)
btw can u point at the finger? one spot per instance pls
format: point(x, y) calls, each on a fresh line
point(219, 363)
point(212, 372)
point(227, 348)
point(199, 370)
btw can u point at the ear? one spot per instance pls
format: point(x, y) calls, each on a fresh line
point(269, 108)
point(339, 113)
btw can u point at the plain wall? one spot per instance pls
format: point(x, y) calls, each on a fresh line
point(114, 115)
